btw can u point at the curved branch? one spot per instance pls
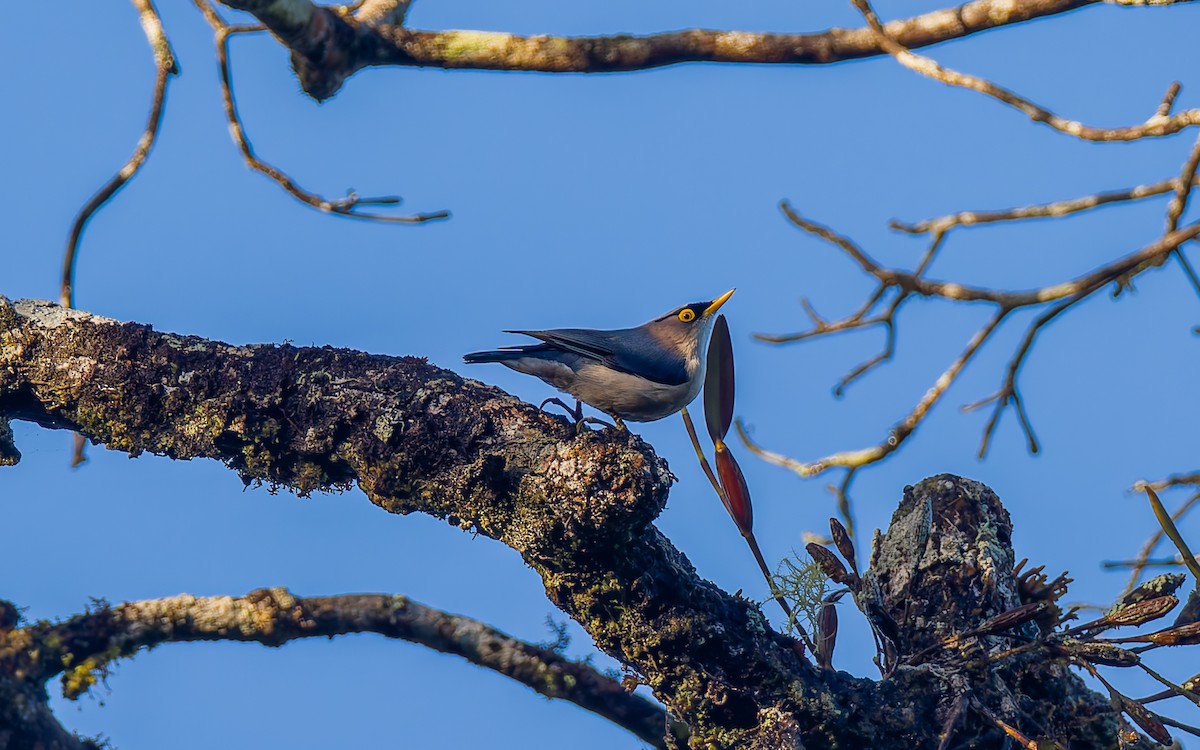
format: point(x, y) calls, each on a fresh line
point(1159, 123)
point(165, 69)
point(351, 205)
point(85, 645)
point(329, 46)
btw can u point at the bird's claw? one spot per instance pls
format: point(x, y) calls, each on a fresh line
point(575, 414)
point(580, 425)
point(581, 421)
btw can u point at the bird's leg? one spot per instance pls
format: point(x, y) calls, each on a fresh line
point(619, 423)
point(576, 413)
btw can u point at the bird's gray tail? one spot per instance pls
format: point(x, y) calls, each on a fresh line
point(497, 355)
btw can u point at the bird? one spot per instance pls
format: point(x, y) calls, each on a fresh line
point(637, 374)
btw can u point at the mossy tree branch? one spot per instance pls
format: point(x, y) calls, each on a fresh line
point(82, 648)
point(579, 509)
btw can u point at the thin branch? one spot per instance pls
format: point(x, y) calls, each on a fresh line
point(1150, 562)
point(1177, 480)
point(165, 69)
point(1183, 188)
point(858, 319)
point(1009, 393)
point(348, 206)
point(1012, 299)
point(1178, 204)
point(1156, 125)
point(385, 12)
point(87, 643)
point(1056, 209)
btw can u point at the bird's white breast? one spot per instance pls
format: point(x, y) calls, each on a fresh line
point(630, 396)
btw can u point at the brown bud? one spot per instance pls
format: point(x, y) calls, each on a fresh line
point(830, 565)
point(1167, 583)
point(1186, 635)
point(736, 495)
point(1140, 612)
point(1147, 720)
point(1190, 612)
point(1098, 652)
point(841, 538)
point(718, 382)
point(827, 627)
point(1011, 619)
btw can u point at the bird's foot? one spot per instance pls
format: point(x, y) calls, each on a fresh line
point(575, 414)
point(580, 425)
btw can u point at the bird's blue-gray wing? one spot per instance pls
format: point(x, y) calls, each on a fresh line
point(630, 350)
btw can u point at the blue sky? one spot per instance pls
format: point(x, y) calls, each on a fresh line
point(595, 201)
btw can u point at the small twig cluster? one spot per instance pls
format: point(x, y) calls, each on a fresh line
point(896, 286)
point(351, 205)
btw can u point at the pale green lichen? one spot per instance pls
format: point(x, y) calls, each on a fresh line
point(457, 44)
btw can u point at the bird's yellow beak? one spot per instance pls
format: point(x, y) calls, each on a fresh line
point(716, 304)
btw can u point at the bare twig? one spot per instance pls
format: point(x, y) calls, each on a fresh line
point(1054, 210)
point(1183, 188)
point(1179, 201)
point(1008, 393)
point(1156, 125)
point(165, 68)
point(348, 206)
point(1177, 480)
point(1150, 562)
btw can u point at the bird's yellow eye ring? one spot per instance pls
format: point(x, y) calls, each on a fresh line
point(687, 315)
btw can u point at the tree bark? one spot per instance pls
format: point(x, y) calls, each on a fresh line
point(579, 510)
point(328, 45)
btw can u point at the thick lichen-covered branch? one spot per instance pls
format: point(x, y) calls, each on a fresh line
point(578, 508)
point(82, 648)
point(418, 438)
point(328, 45)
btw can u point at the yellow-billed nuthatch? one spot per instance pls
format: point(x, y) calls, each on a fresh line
point(639, 374)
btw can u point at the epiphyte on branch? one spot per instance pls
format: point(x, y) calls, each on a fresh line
point(640, 374)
